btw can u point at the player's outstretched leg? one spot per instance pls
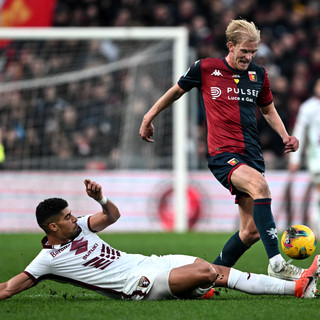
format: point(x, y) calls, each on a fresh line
point(306, 286)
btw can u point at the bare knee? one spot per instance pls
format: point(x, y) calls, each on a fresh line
point(261, 189)
point(205, 273)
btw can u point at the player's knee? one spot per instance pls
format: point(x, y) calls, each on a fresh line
point(207, 273)
point(264, 189)
point(250, 236)
point(260, 189)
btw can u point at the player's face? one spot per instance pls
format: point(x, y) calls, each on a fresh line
point(241, 55)
point(67, 224)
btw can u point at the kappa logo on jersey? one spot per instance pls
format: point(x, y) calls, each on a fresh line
point(216, 73)
point(79, 245)
point(215, 92)
point(252, 76)
point(233, 161)
point(143, 282)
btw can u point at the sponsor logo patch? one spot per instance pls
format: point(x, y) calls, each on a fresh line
point(233, 161)
point(215, 92)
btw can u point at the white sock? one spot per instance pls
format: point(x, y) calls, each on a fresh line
point(259, 283)
point(276, 262)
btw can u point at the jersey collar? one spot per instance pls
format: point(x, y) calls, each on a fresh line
point(234, 70)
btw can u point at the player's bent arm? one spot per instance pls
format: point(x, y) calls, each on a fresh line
point(146, 128)
point(173, 94)
point(15, 285)
point(270, 113)
point(110, 213)
point(105, 218)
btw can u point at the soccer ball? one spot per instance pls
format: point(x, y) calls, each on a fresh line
point(298, 242)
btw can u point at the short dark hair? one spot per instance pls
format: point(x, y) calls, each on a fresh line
point(47, 209)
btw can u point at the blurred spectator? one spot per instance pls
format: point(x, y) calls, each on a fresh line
point(162, 16)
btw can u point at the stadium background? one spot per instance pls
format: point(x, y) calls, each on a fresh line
point(39, 163)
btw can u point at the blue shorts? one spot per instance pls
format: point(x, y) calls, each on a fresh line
point(224, 164)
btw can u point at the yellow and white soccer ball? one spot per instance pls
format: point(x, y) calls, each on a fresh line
point(298, 242)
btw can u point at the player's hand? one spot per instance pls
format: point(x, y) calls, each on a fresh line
point(291, 144)
point(93, 189)
point(146, 131)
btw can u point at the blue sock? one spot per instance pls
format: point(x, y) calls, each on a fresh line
point(231, 252)
point(266, 226)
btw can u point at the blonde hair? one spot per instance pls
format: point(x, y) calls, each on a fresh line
point(240, 30)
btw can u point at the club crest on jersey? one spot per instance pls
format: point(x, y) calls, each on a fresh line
point(233, 161)
point(252, 76)
point(143, 282)
point(236, 80)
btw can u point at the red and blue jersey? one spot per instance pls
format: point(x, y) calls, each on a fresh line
point(229, 98)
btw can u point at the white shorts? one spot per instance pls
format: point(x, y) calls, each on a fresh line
point(151, 277)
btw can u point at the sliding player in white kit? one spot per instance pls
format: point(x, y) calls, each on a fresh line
point(307, 130)
point(73, 253)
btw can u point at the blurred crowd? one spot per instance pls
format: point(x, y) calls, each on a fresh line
point(74, 103)
point(289, 49)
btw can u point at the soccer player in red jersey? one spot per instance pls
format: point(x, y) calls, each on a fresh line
point(231, 88)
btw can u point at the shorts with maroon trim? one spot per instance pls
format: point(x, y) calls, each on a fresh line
point(161, 266)
point(224, 164)
point(144, 276)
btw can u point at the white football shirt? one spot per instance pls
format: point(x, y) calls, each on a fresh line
point(90, 262)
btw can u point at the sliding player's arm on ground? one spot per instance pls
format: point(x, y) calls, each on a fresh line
point(15, 285)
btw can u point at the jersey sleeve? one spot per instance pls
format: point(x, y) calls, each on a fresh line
point(84, 223)
point(192, 77)
point(265, 96)
point(38, 267)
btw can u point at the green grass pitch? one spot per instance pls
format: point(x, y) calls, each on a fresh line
point(50, 300)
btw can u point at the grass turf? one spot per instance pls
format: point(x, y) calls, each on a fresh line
point(50, 300)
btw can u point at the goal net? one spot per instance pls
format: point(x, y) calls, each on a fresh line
point(74, 99)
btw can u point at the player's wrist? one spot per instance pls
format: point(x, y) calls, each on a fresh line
point(103, 200)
